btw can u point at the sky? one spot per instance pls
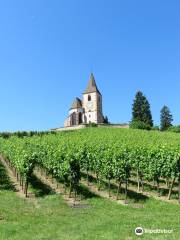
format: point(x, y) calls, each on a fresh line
point(48, 48)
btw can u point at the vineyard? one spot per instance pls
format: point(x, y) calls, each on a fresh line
point(117, 156)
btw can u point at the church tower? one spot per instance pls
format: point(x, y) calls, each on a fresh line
point(92, 103)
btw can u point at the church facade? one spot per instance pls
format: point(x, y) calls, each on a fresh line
point(89, 109)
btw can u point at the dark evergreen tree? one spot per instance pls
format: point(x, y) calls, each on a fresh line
point(141, 111)
point(106, 121)
point(166, 118)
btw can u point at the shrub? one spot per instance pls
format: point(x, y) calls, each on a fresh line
point(92, 125)
point(175, 129)
point(140, 125)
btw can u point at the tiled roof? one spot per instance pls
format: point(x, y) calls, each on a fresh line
point(76, 104)
point(92, 87)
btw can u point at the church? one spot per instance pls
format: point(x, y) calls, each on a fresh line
point(89, 109)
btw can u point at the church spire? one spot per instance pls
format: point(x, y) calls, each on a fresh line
point(92, 87)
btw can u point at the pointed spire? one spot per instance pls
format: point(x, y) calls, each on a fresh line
point(76, 103)
point(92, 87)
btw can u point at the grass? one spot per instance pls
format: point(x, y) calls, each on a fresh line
point(39, 188)
point(47, 217)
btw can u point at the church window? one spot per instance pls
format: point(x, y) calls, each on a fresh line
point(89, 97)
point(89, 115)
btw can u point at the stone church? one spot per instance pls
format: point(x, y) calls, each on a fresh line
point(87, 110)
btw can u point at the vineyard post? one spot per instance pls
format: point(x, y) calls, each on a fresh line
point(109, 186)
point(178, 172)
point(70, 188)
point(142, 184)
point(52, 180)
point(170, 189)
point(87, 176)
point(118, 190)
point(22, 183)
point(154, 183)
point(20, 179)
point(26, 188)
point(138, 181)
point(97, 177)
point(158, 188)
point(99, 184)
point(126, 189)
point(179, 189)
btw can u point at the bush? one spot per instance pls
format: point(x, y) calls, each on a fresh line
point(175, 129)
point(5, 134)
point(91, 125)
point(140, 125)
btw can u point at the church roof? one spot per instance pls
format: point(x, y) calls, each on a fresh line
point(76, 103)
point(92, 87)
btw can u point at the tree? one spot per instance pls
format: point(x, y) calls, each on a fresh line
point(106, 121)
point(141, 111)
point(165, 118)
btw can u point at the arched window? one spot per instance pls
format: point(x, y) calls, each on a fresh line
point(89, 97)
point(73, 119)
point(80, 118)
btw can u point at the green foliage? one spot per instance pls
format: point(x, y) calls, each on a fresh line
point(109, 153)
point(5, 134)
point(141, 110)
point(22, 134)
point(139, 125)
point(175, 129)
point(91, 125)
point(165, 118)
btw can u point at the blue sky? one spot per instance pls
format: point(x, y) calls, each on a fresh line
point(49, 47)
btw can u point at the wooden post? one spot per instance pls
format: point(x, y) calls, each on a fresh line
point(70, 189)
point(138, 181)
point(126, 189)
point(109, 186)
point(171, 187)
point(179, 190)
point(118, 190)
